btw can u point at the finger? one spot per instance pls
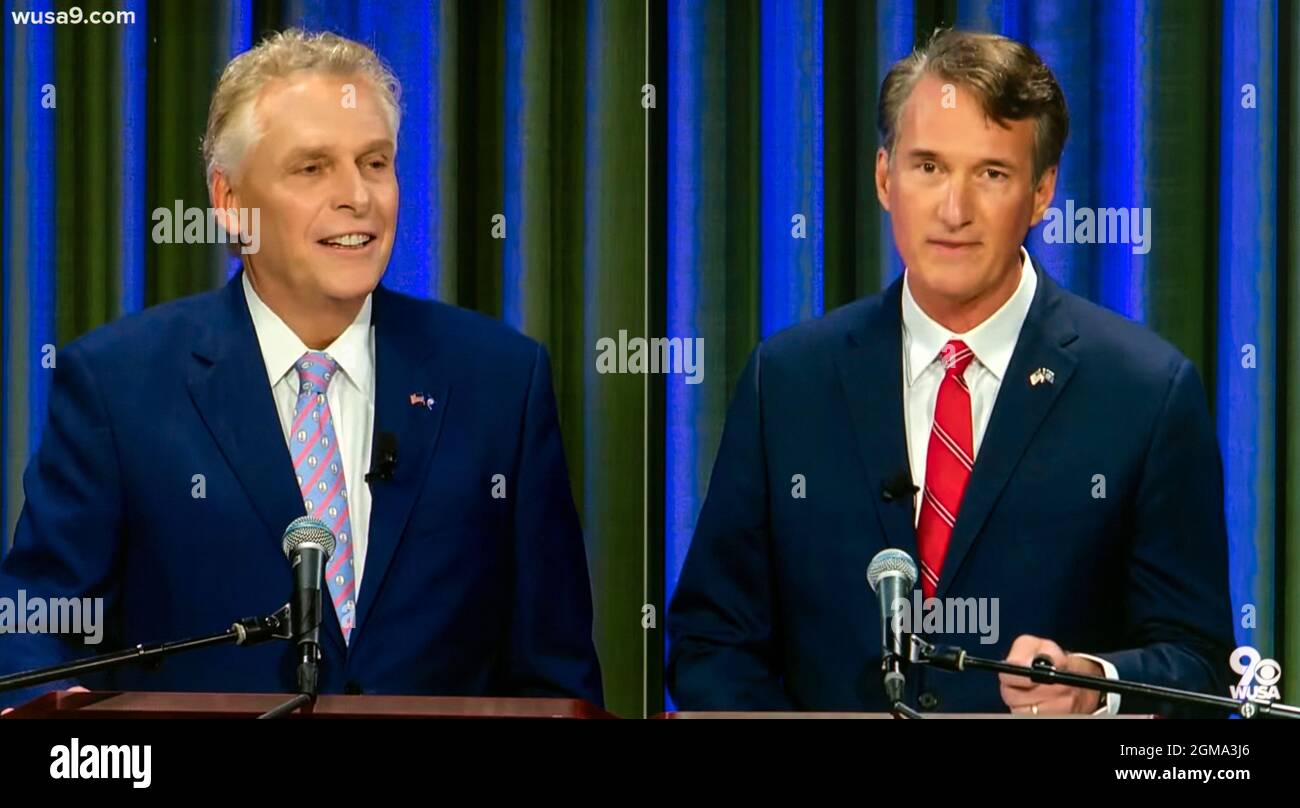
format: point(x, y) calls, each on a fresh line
point(1053, 652)
point(1013, 697)
point(1059, 705)
point(1051, 706)
point(1023, 649)
point(1015, 681)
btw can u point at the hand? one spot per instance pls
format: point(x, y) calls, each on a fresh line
point(1022, 695)
point(74, 689)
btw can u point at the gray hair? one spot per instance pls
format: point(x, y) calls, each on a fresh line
point(231, 125)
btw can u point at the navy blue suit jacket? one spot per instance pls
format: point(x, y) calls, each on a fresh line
point(464, 593)
point(773, 610)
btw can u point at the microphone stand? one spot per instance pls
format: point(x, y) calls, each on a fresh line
point(300, 700)
point(249, 631)
point(307, 668)
point(901, 710)
point(1042, 671)
point(895, 682)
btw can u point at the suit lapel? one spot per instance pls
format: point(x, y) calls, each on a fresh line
point(408, 362)
point(871, 374)
point(1016, 417)
point(228, 384)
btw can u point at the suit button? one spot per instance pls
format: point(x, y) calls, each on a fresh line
point(352, 689)
point(928, 701)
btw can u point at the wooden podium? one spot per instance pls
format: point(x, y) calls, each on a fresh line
point(887, 716)
point(63, 704)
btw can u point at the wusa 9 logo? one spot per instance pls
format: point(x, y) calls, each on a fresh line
point(1265, 673)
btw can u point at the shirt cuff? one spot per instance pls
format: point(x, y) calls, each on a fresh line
point(1111, 707)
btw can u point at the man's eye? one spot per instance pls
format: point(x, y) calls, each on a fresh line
point(929, 167)
point(379, 165)
point(994, 174)
point(310, 169)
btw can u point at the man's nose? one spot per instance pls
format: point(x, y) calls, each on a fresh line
point(351, 191)
point(954, 208)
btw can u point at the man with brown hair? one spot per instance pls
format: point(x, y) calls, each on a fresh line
point(1063, 459)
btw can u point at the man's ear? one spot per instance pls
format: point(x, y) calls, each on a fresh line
point(882, 177)
point(1043, 193)
point(225, 201)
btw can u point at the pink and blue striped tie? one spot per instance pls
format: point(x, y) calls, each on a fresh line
point(318, 462)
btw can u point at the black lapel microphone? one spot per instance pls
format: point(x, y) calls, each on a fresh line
point(384, 462)
point(898, 486)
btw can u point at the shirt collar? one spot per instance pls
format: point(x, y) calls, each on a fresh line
point(992, 341)
point(281, 348)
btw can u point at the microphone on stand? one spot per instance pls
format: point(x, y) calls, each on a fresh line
point(892, 576)
point(308, 544)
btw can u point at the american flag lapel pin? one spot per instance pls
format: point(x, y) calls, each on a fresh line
point(423, 400)
point(1041, 376)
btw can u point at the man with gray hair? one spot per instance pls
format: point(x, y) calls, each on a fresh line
point(183, 440)
point(1023, 445)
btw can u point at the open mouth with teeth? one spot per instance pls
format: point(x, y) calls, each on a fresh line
point(348, 241)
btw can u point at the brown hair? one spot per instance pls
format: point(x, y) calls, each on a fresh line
point(1010, 80)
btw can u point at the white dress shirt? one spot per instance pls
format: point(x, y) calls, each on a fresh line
point(351, 397)
point(992, 341)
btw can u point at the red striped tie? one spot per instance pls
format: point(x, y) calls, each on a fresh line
point(948, 462)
